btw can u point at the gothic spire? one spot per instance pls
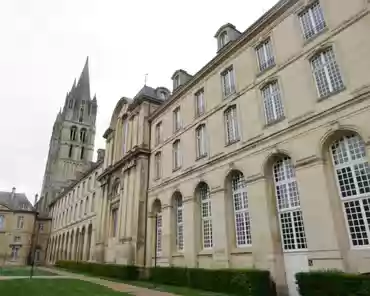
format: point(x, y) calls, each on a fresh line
point(84, 81)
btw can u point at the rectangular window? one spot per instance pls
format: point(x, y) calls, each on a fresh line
point(228, 83)
point(2, 222)
point(176, 82)
point(265, 55)
point(231, 125)
point(20, 222)
point(86, 205)
point(312, 20)
point(93, 203)
point(176, 119)
point(158, 133)
point(158, 164)
point(199, 103)
point(41, 226)
point(326, 73)
point(176, 155)
point(37, 255)
point(17, 239)
point(272, 102)
point(15, 253)
point(200, 133)
point(114, 222)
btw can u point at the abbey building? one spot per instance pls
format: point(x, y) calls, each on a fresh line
point(260, 159)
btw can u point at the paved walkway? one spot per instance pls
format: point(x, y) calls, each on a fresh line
point(138, 291)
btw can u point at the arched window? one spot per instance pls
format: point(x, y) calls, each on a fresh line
point(179, 219)
point(224, 39)
point(70, 151)
point(83, 135)
point(206, 215)
point(73, 133)
point(352, 172)
point(288, 205)
point(241, 211)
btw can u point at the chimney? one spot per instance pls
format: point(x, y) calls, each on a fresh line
point(12, 195)
point(36, 199)
point(101, 154)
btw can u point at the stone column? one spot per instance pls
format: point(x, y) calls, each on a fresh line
point(221, 235)
point(190, 237)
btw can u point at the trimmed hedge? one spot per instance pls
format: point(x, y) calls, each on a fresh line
point(332, 283)
point(123, 272)
point(236, 282)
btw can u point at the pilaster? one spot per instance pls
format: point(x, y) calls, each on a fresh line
point(190, 239)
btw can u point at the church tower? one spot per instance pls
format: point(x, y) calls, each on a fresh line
point(71, 144)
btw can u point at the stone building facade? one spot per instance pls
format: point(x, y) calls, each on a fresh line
point(19, 228)
point(260, 159)
point(71, 144)
point(73, 212)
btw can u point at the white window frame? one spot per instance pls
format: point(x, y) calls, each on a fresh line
point(265, 55)
point(290, 208)
point(199, 103)
point(176, 119)
point(20, 222)
point(224, 39)
point(15, 253)
point(228, 82)
point(158, 164)
point(329, 79)
point(272, 102)
point(179, 216)
point(206, 216)
point(316, 27)
point(231, 120)
point(177, 161)
point(360, 198)
point(243, 229)
point(201, 141)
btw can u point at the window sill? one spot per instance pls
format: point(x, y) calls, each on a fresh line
point(273, 122)
point(176, 169)
point(231, 142)
point(242, 250)
point(320, 99)
point(177, 254)
point(201, 157)
point(312, 38)
point(261, 72)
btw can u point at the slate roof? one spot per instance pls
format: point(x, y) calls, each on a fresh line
point(15, 203)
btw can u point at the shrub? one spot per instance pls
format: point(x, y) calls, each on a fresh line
point(237, 282)
point(123, 272)
point(332, 283)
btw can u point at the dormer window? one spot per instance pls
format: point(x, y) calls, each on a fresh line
point(176, 81)
point(224, 39)
point(162, 95)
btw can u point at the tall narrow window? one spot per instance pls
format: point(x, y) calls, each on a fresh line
point(93, 202)
point(199, 103)
point(201, 136)
point(81, 208)
point(241, 210)
point(158, 133)
point(125, 135)
point(2, 222)
point(312, 20)
point(179, 222)
point(70, 104)
point(224, 39)
point(176, 154)
point(114, 222)
point(326, 72)
point(83, 135)
point(70, 151)
point(15, 252)
point(81, 116)
point(86, 205)
point(176, 119)
point(158, 164)
point(352, 172)
point(76, 212)
point(272, 102)
point(82, 152)
point(20, 222)
point(292, 228)
point(231, 125)
point(176, 81)
point(228, 83)
point(157, 209)
point(73, 133)
point(206, 215)
point(265, 55)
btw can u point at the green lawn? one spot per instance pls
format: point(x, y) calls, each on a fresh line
point(53, 287)
point(21, 271)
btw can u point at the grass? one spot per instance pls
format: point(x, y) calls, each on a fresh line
point(22, 271)
point(54, 287)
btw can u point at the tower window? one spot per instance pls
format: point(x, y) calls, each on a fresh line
point(70, 104)
point(82, 152)
point(73, 133)
point(80, 119)
point(70, 151)
point(83, 135)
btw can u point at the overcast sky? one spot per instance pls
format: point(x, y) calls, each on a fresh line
point(44, 44)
